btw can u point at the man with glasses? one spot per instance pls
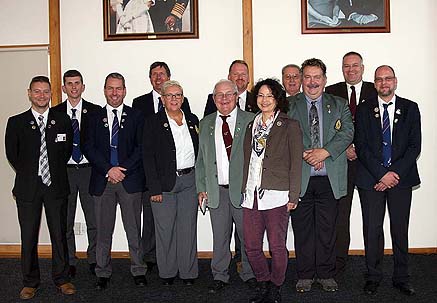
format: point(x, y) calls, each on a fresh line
point(388, 142)
point(239, 75)
point(291, 79)
point(328, 130)
point(219, 178)
point(355, 90)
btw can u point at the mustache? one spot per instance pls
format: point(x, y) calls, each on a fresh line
point(313, 85)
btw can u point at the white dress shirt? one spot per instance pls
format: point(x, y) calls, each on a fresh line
point(78, 108)
point(358, 87)
point(391, 112)
point(182, 140)
point(242, 99)
point(156, 97)
point(45, 118)
point(110, 116)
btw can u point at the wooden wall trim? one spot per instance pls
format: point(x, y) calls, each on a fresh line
point(248, 38)
point(23, 46)
point(55, 51)
point(45, 251)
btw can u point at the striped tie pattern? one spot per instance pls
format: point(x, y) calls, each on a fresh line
point(386, 137)
point(43, 157)
point(76, 154)
point(314, 126)
point(227, 136)
point(114, 139)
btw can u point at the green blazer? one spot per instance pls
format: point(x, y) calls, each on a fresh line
point(206, 164)
point(338, 133)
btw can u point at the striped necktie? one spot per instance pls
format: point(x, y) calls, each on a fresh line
point(314, 126)
point(43, 157)
point(227, 136)
point(76, 154)
point(114, 139)
point(386, 137)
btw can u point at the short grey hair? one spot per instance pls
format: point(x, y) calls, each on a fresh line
point(226, 81)
point(170, 83)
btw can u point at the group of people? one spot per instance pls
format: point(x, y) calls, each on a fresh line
point(255, 159)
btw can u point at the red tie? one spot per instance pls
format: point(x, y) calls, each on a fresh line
point(227, 137)
point(353, 101)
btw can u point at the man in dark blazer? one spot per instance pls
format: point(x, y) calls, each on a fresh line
point(167, 15)
point(239, 74)
point(149, 104)
point(388, 143)
point(113, 147)
point(355, 90)
point(78, 167)
point(38, 145)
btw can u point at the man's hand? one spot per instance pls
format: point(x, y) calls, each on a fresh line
point(291, 206)
point(115, 174)
point(390, 179)
point(200, 196)
point(170, 21)
point(350, 153)
point(315, 156)
point(156, 198)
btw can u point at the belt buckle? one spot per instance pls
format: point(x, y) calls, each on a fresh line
point(178, 173)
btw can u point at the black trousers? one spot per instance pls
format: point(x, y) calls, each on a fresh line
point(148, 239)
point(29, 217)
point(373, 205)
point(343, 219)
point(313, 224)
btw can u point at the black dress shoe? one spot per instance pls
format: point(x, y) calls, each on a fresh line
point(405, 288)
point(140, 280)
point(216, 287)
point(274, 294)
point(102, 283)
point(167, 281)
point(370, 287)
point(72, 271)
point(150, 266)
point(252, 283)
point(93, 268)
point(188, 282)
point(262, 293)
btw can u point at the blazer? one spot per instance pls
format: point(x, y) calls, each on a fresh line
point(406, 143)
point(282, 164)
point(206, 164)
point(250, 105)
point(97, 150)
point(145, 104)
point(339, 89)
point(23, 141)
point(159, 160)
point(338, 132)
point(87, 109)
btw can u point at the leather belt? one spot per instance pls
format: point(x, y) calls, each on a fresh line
point(77, 166)
point(184, 171)
point(224, 186)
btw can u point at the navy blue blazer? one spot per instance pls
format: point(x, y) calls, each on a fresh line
point(406, 143)
point(159, 151)
point(145, 104)
point(339, 89)
point(97, 150)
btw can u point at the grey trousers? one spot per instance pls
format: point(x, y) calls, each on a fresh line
point(148, 240)
point(106, 208)
point(176, 230)
point(221, 221)
point(79, 179)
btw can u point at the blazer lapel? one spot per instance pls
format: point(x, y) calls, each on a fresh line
point(166, 130)
point(302, 110)
point(397, 118)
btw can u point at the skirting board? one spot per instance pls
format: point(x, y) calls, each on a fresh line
point(45, 251)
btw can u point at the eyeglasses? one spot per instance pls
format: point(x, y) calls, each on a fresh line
point(220, 96)
point(385, 79)
point(291, 76)
point(261, 96)
point(170, 96)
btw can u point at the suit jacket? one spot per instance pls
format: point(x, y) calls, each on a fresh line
point(97, 150)
point(206, 164)
point(339, 89)
point(406, 143)
point(159, 160)
point(87, 109)
point(282, 164)
point(250, 105)
point(145, 104)
point(338, 132)
point(164, 8)
point(23, 141)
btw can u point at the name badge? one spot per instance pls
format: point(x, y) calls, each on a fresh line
point(61, 138)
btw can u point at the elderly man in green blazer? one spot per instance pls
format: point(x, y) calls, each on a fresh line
point(219, 177)
point(328, 130)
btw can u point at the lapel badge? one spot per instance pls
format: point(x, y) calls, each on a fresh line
point(121, 126)
point(338, 124)
point(328, 106)
point(33, 127)
point(196, 128)
point(84, 111)
point(122, 120)
point(32, 122)
point(398, 111)
point(376, 115)
point(279, 123)
point(106, 125)
point(49, 126)
point(105, 120)
point(364, 100)
point(165, 124)
point(53, 122)
point(376, 109)
point(123, 114)
point(395, 120)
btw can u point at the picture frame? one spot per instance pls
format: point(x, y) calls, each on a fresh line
point(150, 19)
point(345, 16)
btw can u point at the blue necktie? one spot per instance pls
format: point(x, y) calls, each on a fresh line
point(114, 140)
point(160, 105)
point(77, 154)
point(386, 137)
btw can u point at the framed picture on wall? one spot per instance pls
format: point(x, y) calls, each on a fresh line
point(345, 16)
point(150, 19)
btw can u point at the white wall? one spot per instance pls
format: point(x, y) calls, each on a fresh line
point(410, 48)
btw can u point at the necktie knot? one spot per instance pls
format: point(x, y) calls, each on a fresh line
point(73, 113)
point(224, 117)
point(115, 112)
point(353, 88)
point(386, 105)
point(41, 118)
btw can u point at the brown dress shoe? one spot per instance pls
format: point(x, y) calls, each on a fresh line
point(28, 293)
point(67, 289)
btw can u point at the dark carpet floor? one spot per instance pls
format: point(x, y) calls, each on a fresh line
point(423, 270)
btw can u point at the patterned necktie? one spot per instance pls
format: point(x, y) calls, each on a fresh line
point(314, 126)
point(43, 157)
point(227, 137)
point(353, 102)
point(386, 137)
point(114, 139)
point(160, 105)
point(76, 154)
